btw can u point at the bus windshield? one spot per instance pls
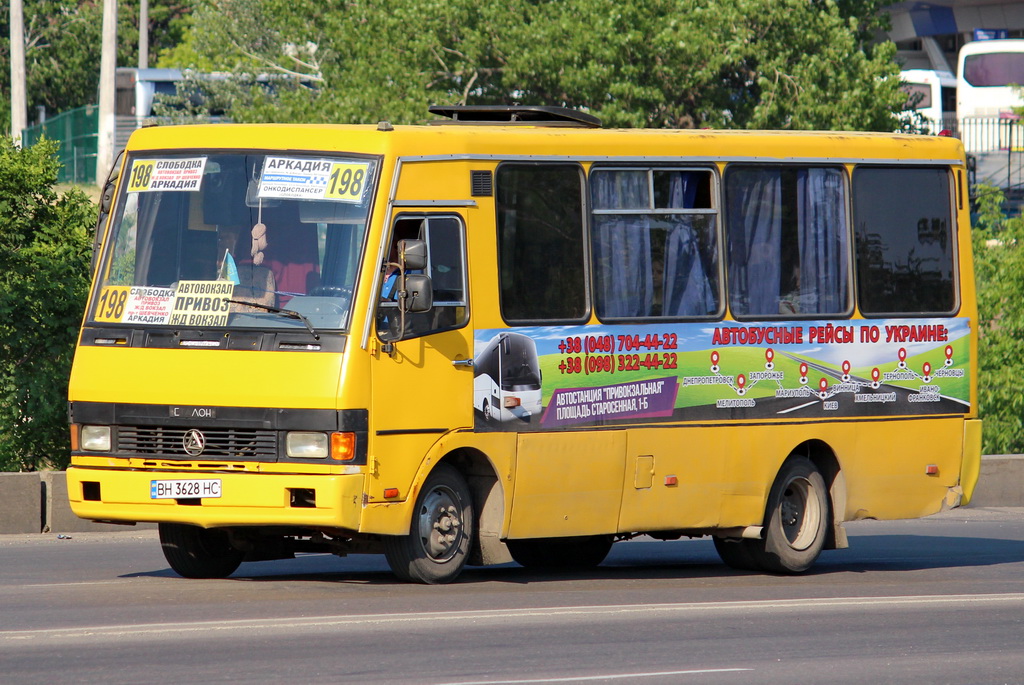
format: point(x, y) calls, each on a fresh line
point(225, 239)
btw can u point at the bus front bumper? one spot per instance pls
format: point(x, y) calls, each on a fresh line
point(246, 499)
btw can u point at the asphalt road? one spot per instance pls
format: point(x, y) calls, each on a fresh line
point(938, 600)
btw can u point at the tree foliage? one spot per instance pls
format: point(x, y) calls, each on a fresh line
point(661, 63)
point(45, 247)
point(62, 48)
point(999, 273)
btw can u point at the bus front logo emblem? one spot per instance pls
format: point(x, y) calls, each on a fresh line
point(193, 441)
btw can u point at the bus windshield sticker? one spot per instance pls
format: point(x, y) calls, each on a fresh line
point(152, 175)
point(201, 303)
point(134, 305)
point(539, 378)
point(313, 179)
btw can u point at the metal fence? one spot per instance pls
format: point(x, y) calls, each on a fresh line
point(77, 131)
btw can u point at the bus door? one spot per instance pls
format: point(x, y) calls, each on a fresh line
point(422, 375)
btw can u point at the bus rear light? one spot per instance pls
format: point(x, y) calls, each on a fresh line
point(343, 446)
point(511, 402)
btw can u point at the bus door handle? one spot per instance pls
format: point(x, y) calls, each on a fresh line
point(462, 362)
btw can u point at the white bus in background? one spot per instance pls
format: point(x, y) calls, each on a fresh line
point(931, 100)
point(987, 71)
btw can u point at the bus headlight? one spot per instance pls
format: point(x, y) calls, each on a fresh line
point(306, 445)
point(95, 438)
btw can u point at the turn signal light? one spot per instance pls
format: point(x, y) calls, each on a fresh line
point(932, 469)
point(390, 493)
point(343, 446)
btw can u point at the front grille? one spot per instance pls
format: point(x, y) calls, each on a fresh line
point(169, 443)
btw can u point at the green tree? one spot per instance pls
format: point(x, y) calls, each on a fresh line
point(999, 274)
point(659, 63)
point(45, 247)
point(62, 48)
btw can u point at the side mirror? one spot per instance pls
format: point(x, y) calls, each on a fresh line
point(412, 254)
point(420, 294)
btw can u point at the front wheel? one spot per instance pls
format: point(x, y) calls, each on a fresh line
point(195, 552)
point(438, 543)
point(796, 519)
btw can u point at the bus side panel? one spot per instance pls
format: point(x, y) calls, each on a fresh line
point(885, 466)
point(673, 479)
point(568, 484)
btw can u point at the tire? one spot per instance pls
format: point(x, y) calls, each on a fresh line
point(195, 552)
point(487, 412)
point(560, 553)
point(441, 532)
point(796, 520)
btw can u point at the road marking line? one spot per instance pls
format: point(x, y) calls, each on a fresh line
point(610, 676)
point(614, 610)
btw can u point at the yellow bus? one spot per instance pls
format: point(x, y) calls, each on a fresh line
point(512, 335)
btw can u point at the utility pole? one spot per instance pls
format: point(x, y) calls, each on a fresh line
point(19, 105)
point(144, 34)
point(108, 67)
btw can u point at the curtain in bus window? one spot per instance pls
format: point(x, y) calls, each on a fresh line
point(687, 289)
point(822, 231)
point(755, 238)
point(622, 245)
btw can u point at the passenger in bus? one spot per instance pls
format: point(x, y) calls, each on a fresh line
point(292, 252)
point(789, 300)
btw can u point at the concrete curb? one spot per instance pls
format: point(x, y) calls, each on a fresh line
point(38, 502)
point(1001, 483)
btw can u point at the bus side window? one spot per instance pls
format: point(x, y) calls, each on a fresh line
point(654, 243)
point(787, 240)
point(905, 240)
point(541, 259)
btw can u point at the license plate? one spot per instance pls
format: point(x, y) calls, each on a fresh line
point(194, 488)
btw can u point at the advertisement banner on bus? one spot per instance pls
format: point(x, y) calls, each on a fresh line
point(562, 377)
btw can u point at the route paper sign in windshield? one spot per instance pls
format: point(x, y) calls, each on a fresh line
point(313, 179)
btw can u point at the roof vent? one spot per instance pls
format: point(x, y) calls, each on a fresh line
point(529, 115)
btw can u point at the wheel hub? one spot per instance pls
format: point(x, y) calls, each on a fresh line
point(440, 526)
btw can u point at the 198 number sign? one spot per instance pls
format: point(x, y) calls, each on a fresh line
point(346, 182)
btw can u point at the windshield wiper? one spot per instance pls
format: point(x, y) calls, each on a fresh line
point(290, 313)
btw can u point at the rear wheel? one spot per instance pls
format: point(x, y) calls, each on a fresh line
point(438, 543)
point(195, 552)
point(797, 520)
point(551, 553)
